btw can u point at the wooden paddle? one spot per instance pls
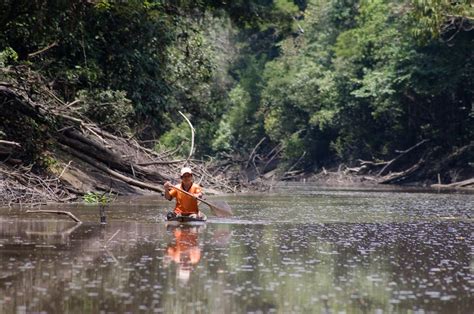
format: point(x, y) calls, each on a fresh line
point(221, 210)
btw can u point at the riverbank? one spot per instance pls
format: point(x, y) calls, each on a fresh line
point(51, 152)
point(341, 179)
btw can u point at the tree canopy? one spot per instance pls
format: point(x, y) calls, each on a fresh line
point(326, 80)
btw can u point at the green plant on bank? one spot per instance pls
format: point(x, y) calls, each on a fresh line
point(7, 55)
point(47, 161)
point(96, 198)
point(110, 108)
point(177, 138)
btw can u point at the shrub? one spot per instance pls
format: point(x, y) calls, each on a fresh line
point(111, 109)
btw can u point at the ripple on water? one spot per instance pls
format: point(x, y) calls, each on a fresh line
point(395, 249)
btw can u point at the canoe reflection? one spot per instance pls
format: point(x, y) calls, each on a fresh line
point(184, 250)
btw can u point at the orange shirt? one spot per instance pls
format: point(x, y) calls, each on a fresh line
point(185, 204)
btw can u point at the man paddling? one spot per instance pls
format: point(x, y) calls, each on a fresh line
point(185, 204)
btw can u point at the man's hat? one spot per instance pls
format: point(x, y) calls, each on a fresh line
point(186, 170)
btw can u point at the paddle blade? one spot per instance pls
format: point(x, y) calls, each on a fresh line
point(221, 209)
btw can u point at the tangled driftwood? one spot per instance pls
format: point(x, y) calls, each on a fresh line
point(419, 163)
point(105, 161)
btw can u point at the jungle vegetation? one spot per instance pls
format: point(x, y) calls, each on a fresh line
point(326, 80)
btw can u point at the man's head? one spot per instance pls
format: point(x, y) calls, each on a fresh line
point(186, 174)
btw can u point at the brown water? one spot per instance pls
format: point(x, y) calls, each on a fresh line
point(297, 250)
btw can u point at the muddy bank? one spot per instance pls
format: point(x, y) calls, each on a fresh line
point(423, 165)
point(430, 168)
point(50, 152)
point(341, 179)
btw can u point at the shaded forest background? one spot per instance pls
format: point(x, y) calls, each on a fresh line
point(308, 81)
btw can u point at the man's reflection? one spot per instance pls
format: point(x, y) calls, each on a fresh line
point(184, 250)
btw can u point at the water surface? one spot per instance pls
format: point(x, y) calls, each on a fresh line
point(298, 249)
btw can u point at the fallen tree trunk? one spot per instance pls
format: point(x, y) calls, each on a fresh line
point(114, 173)
point(459, 184)
point(355, 170)
point(392, 163)
point(74, 134)
point(109, 158)
point(370, 166)
point(402, 176)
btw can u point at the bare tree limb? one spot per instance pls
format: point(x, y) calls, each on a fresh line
point(253, 152)
point(31, 55)
point(191, 151)
point(9, 143)
point(398, 177)
point(168, 162)
point(59, 212)
point(402, 154)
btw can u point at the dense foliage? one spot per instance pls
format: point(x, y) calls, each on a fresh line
point(362, 79)
point(326, 80)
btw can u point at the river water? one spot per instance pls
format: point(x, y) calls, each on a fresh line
point(298, 249)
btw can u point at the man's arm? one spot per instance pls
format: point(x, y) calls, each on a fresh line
point(167, 187)
point(198, 192)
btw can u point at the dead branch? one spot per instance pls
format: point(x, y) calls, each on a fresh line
point(404, 153)
point(292, 175)
point(103, 132)
point(459, 184)
point(72, 103)
point(65, 168)
point(372, 164)
point(463, 183)
point(402, 176)
point(168, 162)
point(72, 133)
point(355, 170)
point(277, 149)
point(191, 151)
point(169, 152)
point(2, 142)
point(144, 149)
point(104, 142)
point(31, 55)
point(296, 163)
point(58, 212)
point(275, 155)
point(253, 152)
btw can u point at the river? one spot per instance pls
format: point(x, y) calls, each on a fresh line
point(297, 249)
